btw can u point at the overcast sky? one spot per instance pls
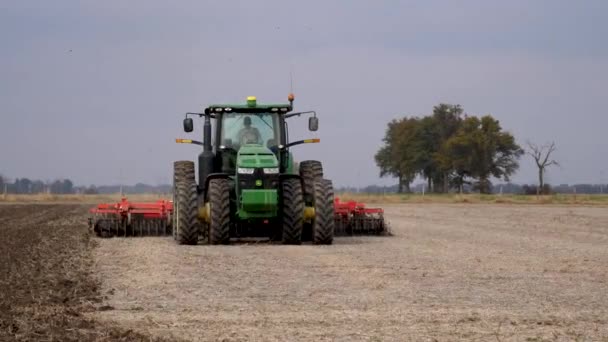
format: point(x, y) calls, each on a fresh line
point(96, 90)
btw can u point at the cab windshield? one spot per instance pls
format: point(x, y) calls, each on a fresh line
point(239, 129)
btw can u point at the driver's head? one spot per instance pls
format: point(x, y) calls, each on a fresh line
point(247, 121)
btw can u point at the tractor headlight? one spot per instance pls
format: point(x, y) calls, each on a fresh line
point(271, 170)
point(246, 170)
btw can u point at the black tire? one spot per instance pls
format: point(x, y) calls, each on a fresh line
point(183, 170)
point(323, 224)
point(292, 211)
point(185, 204)
point(218, 196)
point(310, 171)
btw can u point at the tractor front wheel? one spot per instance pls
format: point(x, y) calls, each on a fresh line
point(292, 211)
point(219, 202)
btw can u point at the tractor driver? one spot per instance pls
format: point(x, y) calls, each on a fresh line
point(248, 134)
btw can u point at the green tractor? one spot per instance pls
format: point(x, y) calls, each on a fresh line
point(248, 182)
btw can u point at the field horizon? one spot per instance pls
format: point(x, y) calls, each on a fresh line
point(555, 199)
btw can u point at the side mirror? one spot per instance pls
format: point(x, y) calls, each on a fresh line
point(313, 123)
point(188, 125)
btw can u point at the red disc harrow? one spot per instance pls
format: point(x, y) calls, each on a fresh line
point(354, 218)
point(132, 218)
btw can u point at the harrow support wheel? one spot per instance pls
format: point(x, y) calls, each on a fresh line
point(323, 224)
point(292, 210)
point(185, 202)
point(219, 201)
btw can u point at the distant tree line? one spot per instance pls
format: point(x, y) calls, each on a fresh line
point(28, 186)
point(139, 188)
point(505, 188)
point(449, 149)
point(66, 186)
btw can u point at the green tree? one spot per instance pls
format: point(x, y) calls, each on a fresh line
point(448, 150)
point(424, 147)
point(396, 157)
point(432, 133)
point(447, 120)
point(481, 150)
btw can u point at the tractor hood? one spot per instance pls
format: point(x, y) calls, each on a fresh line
point(254, 156)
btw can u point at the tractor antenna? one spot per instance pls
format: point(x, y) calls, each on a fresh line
point(291, 79)
point(291, 96)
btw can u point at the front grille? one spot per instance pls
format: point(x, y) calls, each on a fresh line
point(268, 181)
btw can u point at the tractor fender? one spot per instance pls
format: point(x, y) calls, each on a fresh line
point(284, 176)
point(215, 176)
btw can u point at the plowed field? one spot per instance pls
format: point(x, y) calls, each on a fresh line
point(450, 272)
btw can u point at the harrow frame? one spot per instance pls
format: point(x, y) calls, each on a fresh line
point(127, 218)
point(354, 218)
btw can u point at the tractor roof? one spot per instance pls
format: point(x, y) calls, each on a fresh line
point(251, 106)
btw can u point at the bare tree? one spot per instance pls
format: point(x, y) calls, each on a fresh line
point(541, 155)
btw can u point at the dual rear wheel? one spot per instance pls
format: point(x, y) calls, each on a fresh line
point(185, 204)
point(319, 194)
point(186, 225)
point(322, 225)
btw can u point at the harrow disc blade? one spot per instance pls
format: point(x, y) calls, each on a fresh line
point(111, 227)
point(360, 225)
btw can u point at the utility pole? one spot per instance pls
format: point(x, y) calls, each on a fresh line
point(120, 177)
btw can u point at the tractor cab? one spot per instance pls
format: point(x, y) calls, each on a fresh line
point(242, 135)
point(241, 130)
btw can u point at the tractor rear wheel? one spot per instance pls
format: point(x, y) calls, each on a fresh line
point(185, 203)
point(219, 202)
point(323, 224)
point(292, 211)
point(310, 171)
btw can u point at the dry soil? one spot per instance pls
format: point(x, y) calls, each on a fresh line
point(450, 272)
